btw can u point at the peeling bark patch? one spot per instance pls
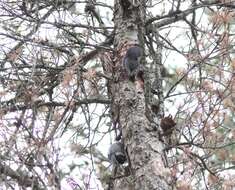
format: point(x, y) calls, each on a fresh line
point(151, 180)
point(126, 89)
point(158, 166)
point(156, 146)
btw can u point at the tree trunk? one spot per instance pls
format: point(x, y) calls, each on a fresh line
point(141, 141)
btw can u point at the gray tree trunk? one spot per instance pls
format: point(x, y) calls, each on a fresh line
point(141, 142)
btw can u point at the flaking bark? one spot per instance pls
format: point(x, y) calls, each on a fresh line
point(141, 141)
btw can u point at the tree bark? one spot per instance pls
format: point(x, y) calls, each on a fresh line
point(141, 141)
